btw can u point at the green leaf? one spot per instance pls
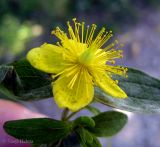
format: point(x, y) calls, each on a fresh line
point(81, 126)
point(7, 94)
point(21, 81)
point(143, 93)
point(95, 142)
point(86, 138)
point(93, 109)
point(4, 70)
point(38, 130)
point(84, 121)
point(80, 133)
point(108, 123)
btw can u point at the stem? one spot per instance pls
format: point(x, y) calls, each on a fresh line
point(66, 117)
point(64, 114)
point(72, 114)
point(63, 117)
point(69, 116)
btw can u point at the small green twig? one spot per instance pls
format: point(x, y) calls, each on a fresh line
point(64, 114)
point(69, 116)
point(72, 114)
point(63, 117)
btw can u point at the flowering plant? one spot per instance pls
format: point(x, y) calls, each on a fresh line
point(79, 71)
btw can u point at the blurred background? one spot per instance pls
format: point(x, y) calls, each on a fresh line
point(136, 23)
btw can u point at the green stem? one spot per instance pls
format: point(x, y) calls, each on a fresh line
point(66, 117)
point(72, 114)
point(64, 114)
point(63, 117)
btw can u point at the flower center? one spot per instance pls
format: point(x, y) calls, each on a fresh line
point(86, 57)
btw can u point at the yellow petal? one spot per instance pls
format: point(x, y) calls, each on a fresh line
point(74, 47)
point(47, 58)
point(109, 86)
point(77, 97)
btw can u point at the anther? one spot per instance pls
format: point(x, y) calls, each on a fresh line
point(74, 19)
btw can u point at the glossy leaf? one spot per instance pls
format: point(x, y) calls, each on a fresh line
point(84, 121)
point(143, 93)
point(4, 70)
point(87, 139)
point(21, 81)
point(38, 130)
point(85, 136)
point(108, 123)
point(95, 142)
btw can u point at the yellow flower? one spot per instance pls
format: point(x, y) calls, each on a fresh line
point(78, 63)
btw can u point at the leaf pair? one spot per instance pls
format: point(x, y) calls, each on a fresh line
point(84, 136)
point(104, 124)
point(87, 139)
point(84, 129)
